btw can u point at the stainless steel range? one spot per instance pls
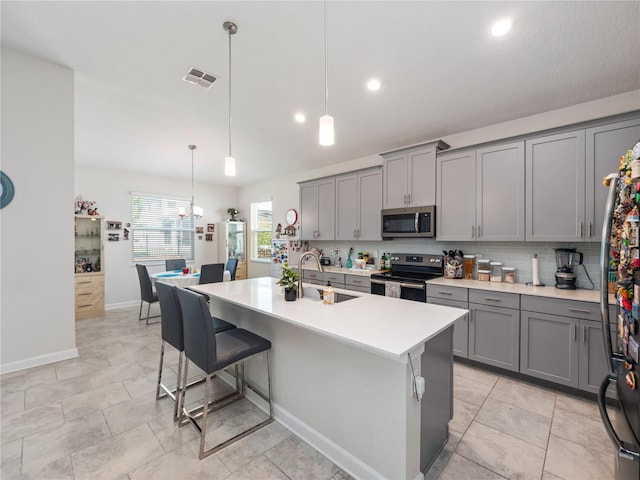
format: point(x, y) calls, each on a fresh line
point(409, 272)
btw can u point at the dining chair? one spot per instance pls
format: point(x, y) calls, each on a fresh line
point(231, 266)
point(146, 291)
point(213, 352)
point(172, 333)
point(174, 264)
point(211, 273)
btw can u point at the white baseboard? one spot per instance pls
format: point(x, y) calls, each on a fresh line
point(334, 452)
point(116, 306)
point(39, 360)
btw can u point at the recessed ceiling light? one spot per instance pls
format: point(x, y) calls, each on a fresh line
point(300, 118)
point(501, 27)
point(373, 84)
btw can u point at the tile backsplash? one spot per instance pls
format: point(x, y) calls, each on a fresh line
point(511, 254)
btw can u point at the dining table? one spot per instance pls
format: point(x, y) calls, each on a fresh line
point(181, 280)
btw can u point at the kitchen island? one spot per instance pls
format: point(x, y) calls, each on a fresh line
point(341, 375)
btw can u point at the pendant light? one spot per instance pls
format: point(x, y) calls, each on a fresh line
point(325, 135)
point(196, 211)
point(229, 160)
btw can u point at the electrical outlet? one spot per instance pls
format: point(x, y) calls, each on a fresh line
point(375, 254)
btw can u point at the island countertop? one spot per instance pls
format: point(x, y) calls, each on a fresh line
point(385, 326)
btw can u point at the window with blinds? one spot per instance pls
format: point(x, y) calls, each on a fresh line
point(157, 232)
point(262, 226)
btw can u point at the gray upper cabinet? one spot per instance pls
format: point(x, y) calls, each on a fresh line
point(500, 192)
point(481, 194)
point(604, 146)
point(555, 188)
point(456, 187)
point(358, 205)
point(410, 176)
point(317, 210)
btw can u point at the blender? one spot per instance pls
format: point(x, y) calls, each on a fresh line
point(566, 260)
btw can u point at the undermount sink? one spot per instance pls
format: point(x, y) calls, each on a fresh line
point(338, 297)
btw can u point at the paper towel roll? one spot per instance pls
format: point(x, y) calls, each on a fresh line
point(536, 271)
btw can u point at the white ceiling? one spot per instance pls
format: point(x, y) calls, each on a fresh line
point(441, 72)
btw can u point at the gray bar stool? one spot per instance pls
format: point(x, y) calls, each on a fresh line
point(172, 333)
point(213, 352)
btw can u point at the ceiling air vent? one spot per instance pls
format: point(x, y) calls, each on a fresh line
point(199, 77)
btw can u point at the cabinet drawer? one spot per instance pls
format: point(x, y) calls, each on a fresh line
point(334, 278)
point(312, 275)
point(448, 303)
point(359, 289)
point(458, 294)
point(495, 299)
point(566, 308)
point(358, 281)
point(89, 283)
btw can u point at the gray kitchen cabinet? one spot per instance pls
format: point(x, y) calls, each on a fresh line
point(549, 347)
point(555, 188)
point(317, 209)
point(409, 176)
point(494, 331)
point(360, 283)
point(312, 276)
point(453, 297)
point(593, 364)
point(481, 194)
point(604, 146)
point(460, 327)
point(358, 205)
point(500, 193)
point(456, 188)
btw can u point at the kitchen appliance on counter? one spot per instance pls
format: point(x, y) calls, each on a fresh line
point(566, 260)
point(407, 277)
point(620, 258)
point(409, 222)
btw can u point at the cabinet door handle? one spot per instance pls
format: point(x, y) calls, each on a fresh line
point(590, 229)
point(575, 332)
point(471, 316)
point(82, 306)
point(584, 333)
point(479, 231)
point(578, 310)
point(84, 294)
point(408, 198)
point(84, 282)
point(356, 281)
point(473, 231)
point(493, 299)
point(445, 293)
point(581, 229)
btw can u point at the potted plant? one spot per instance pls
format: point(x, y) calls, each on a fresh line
point(289, 280)
point(232, 213)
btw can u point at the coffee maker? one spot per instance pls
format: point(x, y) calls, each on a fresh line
point(566, 260)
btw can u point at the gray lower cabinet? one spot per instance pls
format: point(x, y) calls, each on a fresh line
point(494, 329)
point(460, 328)
point(359, 283)
point(593, 366)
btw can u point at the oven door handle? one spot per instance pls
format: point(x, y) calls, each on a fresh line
point(417, 222)
point(378, 282)
point(624, 450)
point(415, 286)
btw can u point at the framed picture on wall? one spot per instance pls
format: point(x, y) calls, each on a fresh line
point(209, 237)
point(199, 229)
point(211, 227)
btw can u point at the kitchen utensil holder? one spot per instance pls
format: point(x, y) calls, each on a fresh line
point(453, 271)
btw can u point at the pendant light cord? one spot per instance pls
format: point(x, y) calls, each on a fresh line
point(230, 92)
point(192, 196)
point(326, 61)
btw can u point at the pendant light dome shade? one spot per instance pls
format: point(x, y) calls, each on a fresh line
point(230, 166)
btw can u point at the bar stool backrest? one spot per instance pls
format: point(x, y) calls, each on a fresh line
point(171, 315)
point(231, 266)
point(211, 273)
point(199, 334)
point(175, 264)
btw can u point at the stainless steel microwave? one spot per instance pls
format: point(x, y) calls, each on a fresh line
point(409, 222)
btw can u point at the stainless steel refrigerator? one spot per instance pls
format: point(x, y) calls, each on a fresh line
point(620, 269)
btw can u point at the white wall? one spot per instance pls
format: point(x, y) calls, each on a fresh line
point(283, 192)
point(111, 190)
point(36, 259)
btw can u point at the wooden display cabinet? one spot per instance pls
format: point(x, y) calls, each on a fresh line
point(89, 266)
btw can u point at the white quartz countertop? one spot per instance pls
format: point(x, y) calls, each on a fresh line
point(349, 271)
point(551, 291)
point(389, 327)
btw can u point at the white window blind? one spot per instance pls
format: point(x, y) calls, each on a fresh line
point(157, 232)
point(262, 226)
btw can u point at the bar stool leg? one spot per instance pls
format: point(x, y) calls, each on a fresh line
point(205, 414)
point(178, 395)
point(181, 421)
point(160, 372)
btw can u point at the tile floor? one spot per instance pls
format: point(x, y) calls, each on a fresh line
point(95, 417)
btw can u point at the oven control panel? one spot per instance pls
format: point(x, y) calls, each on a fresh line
point(426, 260)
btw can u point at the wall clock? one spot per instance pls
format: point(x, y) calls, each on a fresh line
point(6, 190)
point(291, 216)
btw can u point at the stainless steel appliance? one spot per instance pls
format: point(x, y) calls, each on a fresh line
point(620, 261)
point(407, 276)
point(409, 222)
point(566, 260)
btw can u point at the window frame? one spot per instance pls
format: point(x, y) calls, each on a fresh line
point(255, 232)
point(168, 206)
